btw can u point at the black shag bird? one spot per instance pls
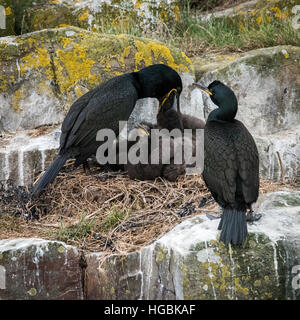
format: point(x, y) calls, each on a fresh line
point(168, 117)
point(231, 164)
point(103, 107)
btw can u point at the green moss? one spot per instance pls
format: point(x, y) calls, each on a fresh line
point(287, 200)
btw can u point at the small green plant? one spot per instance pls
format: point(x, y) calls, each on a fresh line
point(112, 219)
point(79, 231)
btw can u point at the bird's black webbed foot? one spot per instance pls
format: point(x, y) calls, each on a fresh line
point(252, 217)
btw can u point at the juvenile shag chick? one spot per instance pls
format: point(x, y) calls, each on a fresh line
point(168, 117)
point(231, 165)
point(104, 107)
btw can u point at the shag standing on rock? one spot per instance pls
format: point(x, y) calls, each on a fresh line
point(231, 165)
point(104, 107)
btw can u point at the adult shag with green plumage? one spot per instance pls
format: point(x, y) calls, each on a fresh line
point(104, 107)
point(231, 164)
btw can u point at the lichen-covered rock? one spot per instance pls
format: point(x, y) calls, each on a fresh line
point(120, 277)
point(45, 71)
point(254, 13)
point(190, 263)
point(267, 85)
point(38, 269)
point(94, 15)
point(7, 18)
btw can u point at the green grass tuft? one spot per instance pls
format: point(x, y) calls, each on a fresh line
point(79, 231)
point(113, 218)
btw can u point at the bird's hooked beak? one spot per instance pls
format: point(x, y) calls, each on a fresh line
point(143, 131)
point(205, 89)
point(175, 104)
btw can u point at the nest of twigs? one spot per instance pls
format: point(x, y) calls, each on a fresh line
point(106, 211)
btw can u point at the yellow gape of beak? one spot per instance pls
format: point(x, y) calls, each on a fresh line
point(166, 98)
point(143, 130)
point(203, 88)
point(207, 91)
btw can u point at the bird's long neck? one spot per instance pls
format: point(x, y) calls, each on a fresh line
point(225, 113)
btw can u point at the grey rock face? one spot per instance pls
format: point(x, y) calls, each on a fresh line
point(23, 156)
point(39, 269)
point(190, 263)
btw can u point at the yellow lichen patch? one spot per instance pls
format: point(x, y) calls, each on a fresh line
point(16, 99)
point(286, 54)
point(186, 57)
point(65, 41)
point(84, 16)
point(160, 256)
point(138, 4)
point(31, 41)
point(147, 52)
point(259, 19)
point(239, 288)
point(3, 83)
point(277, 12)
point(257, 283)
point(32, 292)
point(8, 11)
point(36, 60)
point(242, 28)
point(177, 13)
point(73, 66)
point(78, 92)
point(61, 249)
point(125, 54)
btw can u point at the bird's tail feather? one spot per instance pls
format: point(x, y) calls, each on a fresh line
point(50, 174)
point(234, 226)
